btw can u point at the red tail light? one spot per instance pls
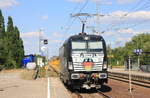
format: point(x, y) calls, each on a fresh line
point(82, 75)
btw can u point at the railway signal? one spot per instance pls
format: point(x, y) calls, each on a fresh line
point(45, 41)
point(138, 52)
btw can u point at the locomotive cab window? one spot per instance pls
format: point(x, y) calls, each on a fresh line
point(87, 46)
point(79, 45)
point(95, 46)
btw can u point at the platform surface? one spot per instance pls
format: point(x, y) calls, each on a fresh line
point(13, 86)
point(121, 70)
point(57, 89)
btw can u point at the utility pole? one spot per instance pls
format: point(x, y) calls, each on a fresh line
point(43, 45)
point(130, 78)
point(138, 62)
point(98, 16)
point(40, 40)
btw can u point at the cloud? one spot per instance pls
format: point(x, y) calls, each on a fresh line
point(146, 31)
point(57, 35)
point(125, 1)
point(123, 32)
point(76, 1)
point(8, 3)
point(56, 41)
point(122, 39)
point(109, 33)
point(30, 34)
point(102, 2)
point(56, 38)
point(122, 18)
point(95, 1)
point(127, 31)
point(45, 17)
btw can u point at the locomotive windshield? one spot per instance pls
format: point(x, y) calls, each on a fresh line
point(78, 45)
point(95, 46)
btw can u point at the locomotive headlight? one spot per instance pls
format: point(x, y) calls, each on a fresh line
point(102, 75)
point(75, 76)
point(86, 38)
point(70, 66)
point(105, 65)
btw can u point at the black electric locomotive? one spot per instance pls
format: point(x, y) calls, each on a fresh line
point(83, 61)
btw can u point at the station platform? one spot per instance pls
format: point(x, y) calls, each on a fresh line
point(57, 89)
point(136, 73)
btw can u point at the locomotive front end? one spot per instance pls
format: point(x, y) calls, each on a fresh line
point(88, 68)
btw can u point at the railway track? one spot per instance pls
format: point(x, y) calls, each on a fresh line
point(137, 80)
point(102, 94)
point(89, 94)
point(78, 95)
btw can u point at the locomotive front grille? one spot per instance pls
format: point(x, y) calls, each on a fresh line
point(87, 61)
point(80, 67)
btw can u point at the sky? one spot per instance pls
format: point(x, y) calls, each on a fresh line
point(119, 20)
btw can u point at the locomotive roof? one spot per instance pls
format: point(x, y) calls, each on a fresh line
point(82, 36)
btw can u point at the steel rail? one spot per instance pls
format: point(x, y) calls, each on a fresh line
point(79, 95)
point(126, 79)
point(102, 94)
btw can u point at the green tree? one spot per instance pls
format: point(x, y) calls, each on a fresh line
point(10, 62)
point(2, 44)
point(18, 47)
point(11, 45)
point(2, 25)
point(15, 45)
point(141, 41)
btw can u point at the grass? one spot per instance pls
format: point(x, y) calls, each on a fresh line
point(11, 70)
point(31, 74)
point(27, 74)
point(49, 73)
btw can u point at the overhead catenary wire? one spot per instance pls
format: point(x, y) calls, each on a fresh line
point(80, 10)
point(85, 4)
point(144, 4)
point(133, 25)
point(141, 4)
point(128, 26)
point(73, 10)
point(137, 5)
